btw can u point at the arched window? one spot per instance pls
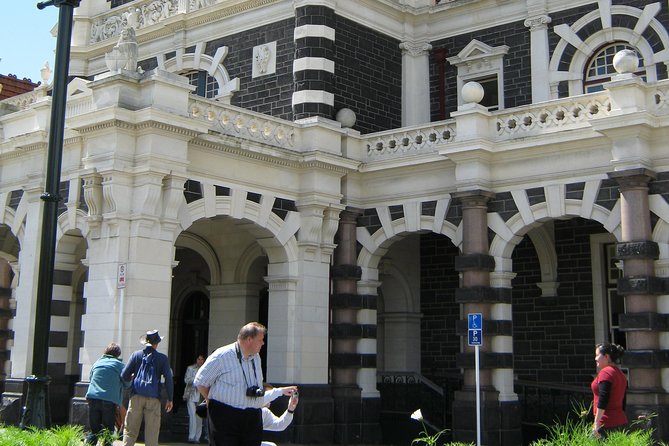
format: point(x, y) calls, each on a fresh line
point(600, 67)
point(206, 85)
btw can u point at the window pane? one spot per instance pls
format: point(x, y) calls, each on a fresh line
point(600, 69)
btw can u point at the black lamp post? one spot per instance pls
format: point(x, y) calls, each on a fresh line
point(36, 410)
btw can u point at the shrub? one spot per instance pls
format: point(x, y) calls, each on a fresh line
point(57, 436)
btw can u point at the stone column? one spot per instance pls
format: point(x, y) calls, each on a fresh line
point(641, 287)
point(539, 56)
point(24, 319)
point(347, 333)
point(313, 68)
point(231, 305)
point(5, 314)
point(500, 419)
point(415, 84)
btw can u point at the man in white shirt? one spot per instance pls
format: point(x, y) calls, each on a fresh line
point(271, 422)
point(231, 382)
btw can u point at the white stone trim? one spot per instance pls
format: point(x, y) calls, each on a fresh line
point(477, 61)
point(313, 96)
point(314, 31)
point(313, 63)
point(608, 34)
point(264, 60)
point(201, 61)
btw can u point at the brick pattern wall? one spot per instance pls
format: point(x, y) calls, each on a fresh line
point(660, 185)
point(554, 337)
point(368, 76)
point(15, 198)
point(438, 282)
point(369, 220)
point(63, 192)
point(608, 195)
point(517, 75)
point(270, 94)
point(504, 205)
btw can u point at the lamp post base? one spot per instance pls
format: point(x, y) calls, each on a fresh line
point(36, 411)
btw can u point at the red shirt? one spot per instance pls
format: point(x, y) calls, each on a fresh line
point(614, 415)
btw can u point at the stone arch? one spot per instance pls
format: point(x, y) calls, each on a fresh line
point(203, 249)
point(375, 246)
point(543, 240)
point(72, 220)
point(510, 233)
point(9, 244)
point(246, 262)
point(277, 237)
point(401, 283)
point(608, 34)
point(659, 206)
point(198, 60)
point(14, 221)
point(403, 323)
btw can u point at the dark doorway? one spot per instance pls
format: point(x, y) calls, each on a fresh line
point(193, 335)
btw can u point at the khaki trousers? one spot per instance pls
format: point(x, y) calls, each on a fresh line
point(147, 408)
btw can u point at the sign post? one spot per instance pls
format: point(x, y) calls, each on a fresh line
point(121, 276)
point(475, 339)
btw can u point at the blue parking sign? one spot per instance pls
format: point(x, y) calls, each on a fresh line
point(474, 321)
point(475, 337)
point(475, 329)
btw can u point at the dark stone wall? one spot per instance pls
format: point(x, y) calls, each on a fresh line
point(554, 337)
point(368, 76)
point(270, 94)
point(438, 282)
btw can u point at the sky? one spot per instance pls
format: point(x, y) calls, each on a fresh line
point(25, 38)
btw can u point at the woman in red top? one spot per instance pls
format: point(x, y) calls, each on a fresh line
point(608, 388)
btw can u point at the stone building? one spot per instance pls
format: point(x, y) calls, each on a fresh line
point(360, 176)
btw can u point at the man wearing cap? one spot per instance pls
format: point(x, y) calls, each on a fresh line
point(231, 382)
point(145, 368)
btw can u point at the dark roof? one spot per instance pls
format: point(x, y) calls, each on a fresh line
point(12, 86)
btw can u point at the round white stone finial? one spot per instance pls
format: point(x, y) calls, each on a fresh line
point(346, 117)
point(472, 92)
point(626, 61)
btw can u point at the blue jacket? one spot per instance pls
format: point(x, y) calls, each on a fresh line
point(106, 382)
point(162, 367)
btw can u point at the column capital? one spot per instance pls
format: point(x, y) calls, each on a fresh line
point(538, 22)
point(350, 215)
point(633, 178)
point(473, 198)
point(415, 48)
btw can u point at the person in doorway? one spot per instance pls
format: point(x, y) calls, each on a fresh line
point(609, 389)
point(192, 397)
point(104, 394)
point(145, 368)
point(231, 382)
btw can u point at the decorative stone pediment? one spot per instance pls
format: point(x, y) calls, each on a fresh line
point(77, 86)
point(477, 53)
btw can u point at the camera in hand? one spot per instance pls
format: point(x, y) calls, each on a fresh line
point(255, 392)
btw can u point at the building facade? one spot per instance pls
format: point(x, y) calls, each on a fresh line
point(359, 176)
